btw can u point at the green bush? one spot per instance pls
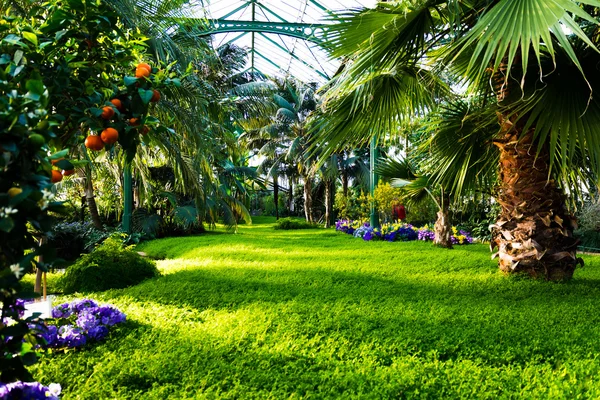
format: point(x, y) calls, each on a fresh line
point(71, 239)
point(110, 266)
point(291, 223)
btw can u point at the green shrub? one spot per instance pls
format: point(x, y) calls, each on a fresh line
point(71, 239)
point(291, 223)
point(110, 266)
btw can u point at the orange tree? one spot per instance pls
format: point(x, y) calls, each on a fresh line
point(68, 70)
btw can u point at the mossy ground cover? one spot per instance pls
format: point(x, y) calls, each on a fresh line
point(317, 314)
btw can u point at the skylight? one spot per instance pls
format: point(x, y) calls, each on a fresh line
point(277, 54)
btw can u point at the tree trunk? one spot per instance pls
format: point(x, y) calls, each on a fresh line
point(291, 197)
point(91, 199)
point(534, 232)
point(443, 225)
point(345, 183)
point(328, 203)
point(276, 195)
point(308, 199)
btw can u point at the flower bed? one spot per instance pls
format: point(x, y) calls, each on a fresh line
point(397, 232)
point(79, 322)
point(29, 390)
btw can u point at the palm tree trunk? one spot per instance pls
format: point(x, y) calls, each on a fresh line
point(345, 182)
point(308, 198)
point(328, 203)
point(534, 232)
point(443, 225)
point(276, 195)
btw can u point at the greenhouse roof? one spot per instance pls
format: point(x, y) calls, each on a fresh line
point(281, 36)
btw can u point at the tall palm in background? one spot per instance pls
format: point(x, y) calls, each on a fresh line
point(533, 65)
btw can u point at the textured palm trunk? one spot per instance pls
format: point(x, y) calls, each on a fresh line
point(276, 195)
point(443, 225)
point(308, 199)
point(534, 232)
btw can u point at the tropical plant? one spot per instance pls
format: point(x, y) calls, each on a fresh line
point(533, 65)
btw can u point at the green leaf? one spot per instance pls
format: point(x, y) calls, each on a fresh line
point(59, 154)
point(31, 37)
point(65, 164)
point(145, 95)
point(130, 80)
point(96, 112)
point(36, 87)
point(18, 57)
point(6, 224)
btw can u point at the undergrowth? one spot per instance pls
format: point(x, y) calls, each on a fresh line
point(315, 314)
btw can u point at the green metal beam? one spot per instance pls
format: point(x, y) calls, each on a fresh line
point(268, 60)
point(299, 30)
point(295, 57)
point(246, 4)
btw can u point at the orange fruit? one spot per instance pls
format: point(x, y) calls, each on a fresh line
point(56, 176)
point(134, 121)
point(155, 96)
point(145, 65)
point(68, 172)
point(142, 72)
point(14, 191)
point(117, 103)
point(107, 112)
point(94, 143)
point(109, 135)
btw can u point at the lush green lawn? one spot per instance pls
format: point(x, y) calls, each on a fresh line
point(316, 314)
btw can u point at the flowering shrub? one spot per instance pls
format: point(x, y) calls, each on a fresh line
point(29, 390)
point(78, 323)
point(397, 232)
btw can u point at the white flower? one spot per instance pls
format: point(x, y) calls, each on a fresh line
point(17, 270)
point(48, 195)
point(54, 390)
point(6, 211)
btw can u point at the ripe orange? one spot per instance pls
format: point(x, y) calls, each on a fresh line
point(145, 65)
point(109, 135)
point(142, 72)
point(68, 172)
point(134, 121)
point(155, 96)
point(94, 143)
point(56, 176)
point(107, 112)
point(117, 103)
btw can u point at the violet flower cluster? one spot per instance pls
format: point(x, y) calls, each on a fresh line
point(29, 390)
point(79, 322)
point(393, 232)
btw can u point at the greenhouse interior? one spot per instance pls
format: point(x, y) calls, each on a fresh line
point(311, 199)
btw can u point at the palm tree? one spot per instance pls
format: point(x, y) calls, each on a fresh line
point(533, 64)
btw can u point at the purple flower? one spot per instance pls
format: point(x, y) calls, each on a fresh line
point(28, 390)
point(368, 236)
point(88, 321)
point(62, 311)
